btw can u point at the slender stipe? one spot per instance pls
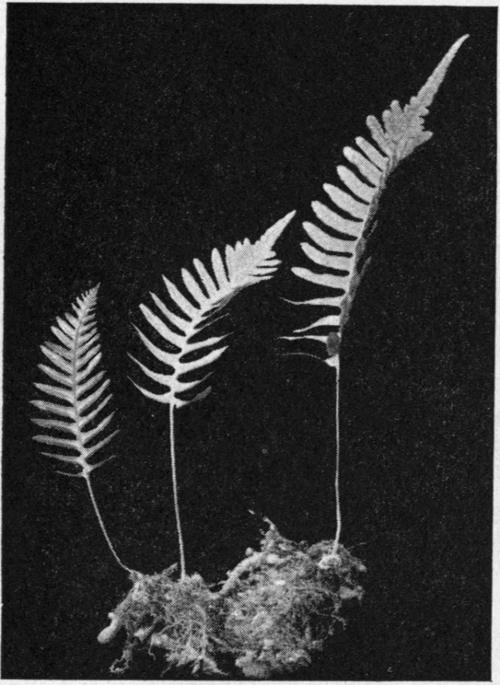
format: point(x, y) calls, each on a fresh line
point(337, 455)
point(103, 527)
point(175, 493)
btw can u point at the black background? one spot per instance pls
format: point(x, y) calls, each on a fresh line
point(141, 136)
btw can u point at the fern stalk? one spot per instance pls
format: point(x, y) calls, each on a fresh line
point(337, 246)
point(175, 490)
point(182, 327)
point(77, 398)
point(103, 526)
point(338, 513)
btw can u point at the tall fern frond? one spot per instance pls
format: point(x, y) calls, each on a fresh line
point(337, 252)
point(186, 349)
point(336, 247)
point(77, 426)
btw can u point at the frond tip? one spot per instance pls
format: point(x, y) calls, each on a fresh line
point(403, 129)
point(336, 247)
point(180, 324)
point(78, 394)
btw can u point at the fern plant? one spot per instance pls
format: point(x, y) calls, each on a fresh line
point(336, 247)
point(186, 348)
point(281, 603)
point(78, 422)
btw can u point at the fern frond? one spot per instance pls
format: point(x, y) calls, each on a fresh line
point(190, 311)
point(337, 245)
point(78, 391)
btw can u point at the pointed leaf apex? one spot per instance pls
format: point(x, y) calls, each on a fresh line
point(92, 292)
point(273, 233)
point(431, 86)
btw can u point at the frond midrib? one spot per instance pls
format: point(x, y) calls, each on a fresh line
point(82, 459)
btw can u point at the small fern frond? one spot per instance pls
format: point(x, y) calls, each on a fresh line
point(191, 311)
point(337, 245)
point(78, 392)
